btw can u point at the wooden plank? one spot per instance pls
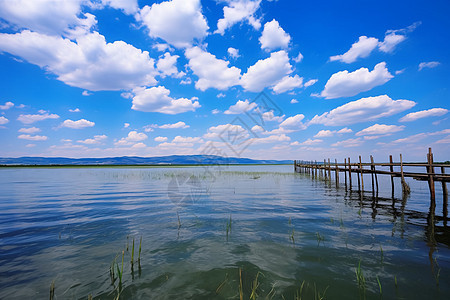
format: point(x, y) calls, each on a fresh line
point(392, 177)
point(361, 170)
point(431, 176)
point(350, 173)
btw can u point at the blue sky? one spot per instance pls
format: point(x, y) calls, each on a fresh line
point(260, 79)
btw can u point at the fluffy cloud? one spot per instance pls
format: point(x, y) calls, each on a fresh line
point(289, 125)
point(240, 107)
point(167, 65)
point(34, 15)
point(7, 105)
point(128, 6)
point(365, 45)
point(223, 130)
point(3, 120)
point(380, 129)
point(299, 58)
point(362, 48)
point(271, 139)
point(96, 140)
point(132, 138)
point(345, 84)
point(79, 124)
point(267, 72)
point(433, 112)
point(288, 83)
point(270, 116)
point(362, 110)
point(274, 37)
point(310, 142)
point(238, 11)
point(186, 139)
point(211, 71)
point(330, 133)
point(29, 119)
point(89, 63)
point(430, 64)
point(293, 101)
point(233, 52)
point(75, 110)
point(157, 99)
point(178, 22)
point(349, 143)
point(29, 130)
point(310, 82)
point(32, 137)
point(160, 139)
point(177, 125)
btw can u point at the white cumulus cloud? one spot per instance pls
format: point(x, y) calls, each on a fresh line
point(237, 11)
point(363, 110)
point(3, 120)
point(132, 138)
point(211, 71)
point(29, 130)
point(233, 52)
point(380, 129)
point(240, 107)
point(157, 99)
point(178, 22)
point(167, 65)
point(32, 137)
point(430, 65)
point(288, 83)
point(79, 124)
point(274, 37)
point(362, 48)
point(267, 72)
point(29, 119)
point(7, 105)
point(89, 63)
point(160, 139)
point(97, 139)
point(345, 84)
point(433, 112)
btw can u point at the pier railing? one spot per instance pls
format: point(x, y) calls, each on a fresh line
point(430, 172)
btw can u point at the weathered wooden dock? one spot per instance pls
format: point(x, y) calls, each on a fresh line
point(432, 172)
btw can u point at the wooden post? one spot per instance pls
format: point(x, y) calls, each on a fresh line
point(337, 173)
point(329, 170)
point(405, 187)
point(324, 168)
point(295, 166)
point(374, 173)
point(359, 181)
point(444, 184)
point(431, 174)
point(315, 169)
point(361, 170)
point(350, 173)
point(345, 172)
point(391, 167)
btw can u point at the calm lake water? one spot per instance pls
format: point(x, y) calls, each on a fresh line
point(206, 232)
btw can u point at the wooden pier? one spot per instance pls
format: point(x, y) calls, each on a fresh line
point(326, 168)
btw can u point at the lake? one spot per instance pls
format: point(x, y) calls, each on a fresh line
point(256, 232)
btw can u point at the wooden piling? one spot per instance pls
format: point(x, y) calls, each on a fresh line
point(431, 174)
point(350, 173)
point(391, 167)
point(337, 173)
point(324, 168)
point(361, 170)
point(345, 172)
point(374, 173)
point(444, 184)
point(329, 170)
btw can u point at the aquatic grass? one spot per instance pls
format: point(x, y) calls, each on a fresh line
point(361, 281)
point(241, 291)
point(299, 293)
point(255, 285)
point(438, 273)
point(52, 290)
point(379, 285)
point(228, 227)
point(132, 255)
point(319, 238)
point(139, 256)
point(291, 237)
point(222, 284)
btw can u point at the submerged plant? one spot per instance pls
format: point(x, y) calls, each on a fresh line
point(320, 238)
point(241, 291)
point(52, 290)
point(360, 279)
point(255, 285)
point(379, 285)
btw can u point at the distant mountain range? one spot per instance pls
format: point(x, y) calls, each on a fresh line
point(135, 160)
